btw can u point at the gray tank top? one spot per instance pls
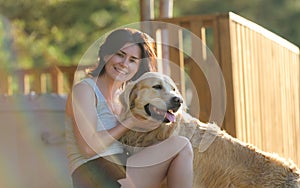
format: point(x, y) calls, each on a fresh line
point(106, 120)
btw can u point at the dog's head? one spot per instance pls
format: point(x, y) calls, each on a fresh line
point(153, 95)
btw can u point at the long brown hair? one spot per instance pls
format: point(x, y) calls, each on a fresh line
point(117, 39)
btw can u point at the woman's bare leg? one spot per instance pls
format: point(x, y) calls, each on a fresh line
point(171, 159)
point(180, 172)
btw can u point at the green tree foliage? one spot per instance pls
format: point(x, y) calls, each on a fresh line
point(35, 33)
point(40, 33)
point(6, 43)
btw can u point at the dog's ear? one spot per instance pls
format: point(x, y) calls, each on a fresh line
point(127, 97)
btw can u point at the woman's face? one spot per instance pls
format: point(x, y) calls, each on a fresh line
point(122, 65)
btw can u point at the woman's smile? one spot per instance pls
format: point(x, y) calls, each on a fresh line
point(121, 70)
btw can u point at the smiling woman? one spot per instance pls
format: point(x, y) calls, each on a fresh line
point(117, 40)
point(96, 157)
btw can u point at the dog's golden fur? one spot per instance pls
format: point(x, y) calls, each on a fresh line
point(220, 160)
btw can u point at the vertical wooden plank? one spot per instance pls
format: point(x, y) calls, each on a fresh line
point(256, 85)
point(27, 85)
point(227, 46)
point(265, 78)
point(239, 90)
point(43, 86)
point(216, 83)
point(297, 107)
point(276, 97)
point(279, 94)
point(57, 81)
point(3, 82)
point(36, 87)
point(251, 87)
point(297, 104)
point(260, 86)
point(70, 78)
point(199, 80)
point(10, 84)
point(268, 89)
point(20, 75)
point(177, 61)
point(235, 106)
point(159, 51)
point(246, 85)
point(250, 74)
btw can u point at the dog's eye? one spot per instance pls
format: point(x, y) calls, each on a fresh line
point(158, 86)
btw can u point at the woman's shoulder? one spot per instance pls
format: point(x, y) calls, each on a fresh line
point(82, 87)
point(85, 82)
point(88, 87)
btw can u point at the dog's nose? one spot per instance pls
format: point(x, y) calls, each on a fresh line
point(176, 101)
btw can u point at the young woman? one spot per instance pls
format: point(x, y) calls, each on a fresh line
point(95, 156)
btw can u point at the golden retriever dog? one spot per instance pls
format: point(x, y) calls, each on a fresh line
point(220, 161)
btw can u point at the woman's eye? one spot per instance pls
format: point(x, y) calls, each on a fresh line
point(134, 60)
point(157, 86)
point(120, 54)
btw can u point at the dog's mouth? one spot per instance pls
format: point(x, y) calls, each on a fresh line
point(163, 115)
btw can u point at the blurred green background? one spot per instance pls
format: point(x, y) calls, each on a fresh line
point(38, 33)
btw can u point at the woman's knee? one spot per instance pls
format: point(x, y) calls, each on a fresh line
point(185, 143)
point(188, 149)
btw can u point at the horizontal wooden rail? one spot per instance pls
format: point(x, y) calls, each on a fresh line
point(55, 79)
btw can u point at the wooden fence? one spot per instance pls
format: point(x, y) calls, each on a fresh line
point(260, 70)
point(261, 74)
point(54, 79)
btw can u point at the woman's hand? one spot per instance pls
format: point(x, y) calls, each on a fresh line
point(140, 124)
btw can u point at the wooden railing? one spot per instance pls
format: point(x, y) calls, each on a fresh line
point(260, 70)
point(261, 73)
point(266, 87)
point(54, 79)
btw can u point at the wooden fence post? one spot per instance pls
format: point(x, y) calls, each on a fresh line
point(225, 61)
point(3, 82)
point(57, 81)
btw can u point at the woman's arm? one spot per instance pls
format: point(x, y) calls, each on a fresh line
point(85, 120)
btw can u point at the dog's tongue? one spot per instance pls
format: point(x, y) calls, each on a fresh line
point(171, 117)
